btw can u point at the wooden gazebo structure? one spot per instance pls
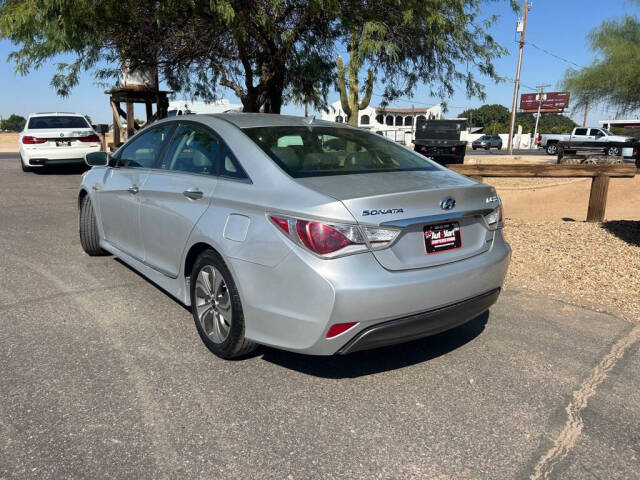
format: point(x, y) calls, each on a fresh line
point(129, 95)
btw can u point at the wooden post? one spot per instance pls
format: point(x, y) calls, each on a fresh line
point(149, 112)
point(130, 120)
point(598, 198)
point(103, 142)
point(116, 124)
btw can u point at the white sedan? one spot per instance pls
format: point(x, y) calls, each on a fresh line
point(53, 138)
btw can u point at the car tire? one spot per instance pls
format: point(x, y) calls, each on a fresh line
point(24, 167)
point(552, 149)
point(217, 309)
point(613, 151)
point(89, 236)
point(474, 148)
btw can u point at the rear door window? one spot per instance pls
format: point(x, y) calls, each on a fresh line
point(192, 150)
point(580, 131)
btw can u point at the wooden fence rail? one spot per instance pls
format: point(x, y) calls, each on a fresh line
point(599, 175)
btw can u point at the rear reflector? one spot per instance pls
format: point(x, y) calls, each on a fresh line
point(339, 328)
point(27, 140)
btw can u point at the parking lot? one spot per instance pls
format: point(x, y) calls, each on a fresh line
point(104, 376)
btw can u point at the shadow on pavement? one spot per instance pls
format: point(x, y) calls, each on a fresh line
point(626, 230)
point(382, 359)
point(61, 170)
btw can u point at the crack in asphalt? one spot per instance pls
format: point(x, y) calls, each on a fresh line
point(573, 426)
point(32, 300)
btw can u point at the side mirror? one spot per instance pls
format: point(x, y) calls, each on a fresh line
point(97, 159)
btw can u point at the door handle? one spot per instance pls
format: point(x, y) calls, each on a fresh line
point(193, 194)
point(133, 189)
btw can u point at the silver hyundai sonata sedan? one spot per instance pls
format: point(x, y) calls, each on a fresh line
point(296, 233)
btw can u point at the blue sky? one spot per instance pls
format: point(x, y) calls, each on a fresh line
point(558, 26)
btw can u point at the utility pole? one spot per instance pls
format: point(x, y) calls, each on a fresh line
point(516, 85)
point(586, 112)
point(541, 98)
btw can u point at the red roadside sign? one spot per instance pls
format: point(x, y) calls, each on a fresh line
point(552, 102)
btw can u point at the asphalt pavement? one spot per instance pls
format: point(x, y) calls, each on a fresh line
point(103, 375)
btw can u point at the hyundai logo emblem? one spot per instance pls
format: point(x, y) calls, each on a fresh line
point(447, 203)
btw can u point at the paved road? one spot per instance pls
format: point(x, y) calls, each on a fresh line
point(104, 376)
point(479, 152)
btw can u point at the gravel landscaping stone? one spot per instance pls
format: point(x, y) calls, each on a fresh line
point(589, 264)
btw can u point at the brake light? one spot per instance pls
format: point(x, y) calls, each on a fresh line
point(330, 240)
point(90, 138)
point(27, 140)
point(321, 238)
point(338, 328)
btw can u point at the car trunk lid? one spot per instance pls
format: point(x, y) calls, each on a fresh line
point(412, 201)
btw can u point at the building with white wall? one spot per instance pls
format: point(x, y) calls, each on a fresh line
point(381, 119)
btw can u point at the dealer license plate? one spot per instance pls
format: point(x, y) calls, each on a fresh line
point(442, 236)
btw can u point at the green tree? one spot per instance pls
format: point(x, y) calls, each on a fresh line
point(263, 50)
point(442, 43)
point(613, 78)
point(555, 123)
point(14, 123)
point(495, 128)
point(486, 115)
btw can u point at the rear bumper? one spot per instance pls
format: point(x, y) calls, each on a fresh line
point(420, 325)
point(56, 161)
point(293, 305)
point(34, 156)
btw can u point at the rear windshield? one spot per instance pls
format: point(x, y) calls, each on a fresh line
point(320, 151)
point(57, 122)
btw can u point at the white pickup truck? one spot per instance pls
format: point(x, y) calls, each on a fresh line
point(583, 134)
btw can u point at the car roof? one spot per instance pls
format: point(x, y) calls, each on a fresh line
point(247, 120)
point(56, 114)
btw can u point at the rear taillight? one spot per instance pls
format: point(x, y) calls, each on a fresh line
point(27, 140)
point(330, 240)
point(90, 138)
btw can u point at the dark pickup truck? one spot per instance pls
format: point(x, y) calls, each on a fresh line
point(440, 140)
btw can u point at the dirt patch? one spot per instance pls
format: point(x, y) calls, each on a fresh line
point(532, 200)
point(596, 265)
point(8, 142)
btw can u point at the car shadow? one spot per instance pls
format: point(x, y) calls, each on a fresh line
point(61, 170)
point(379, 360)
point(626, 230)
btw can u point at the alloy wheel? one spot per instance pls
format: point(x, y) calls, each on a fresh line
point(213, 304)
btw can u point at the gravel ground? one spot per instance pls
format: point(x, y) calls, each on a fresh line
point(595, 265)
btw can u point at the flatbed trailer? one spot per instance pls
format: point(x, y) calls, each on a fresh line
point(597, 153)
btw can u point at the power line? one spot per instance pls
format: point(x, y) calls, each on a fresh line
point(554, 55)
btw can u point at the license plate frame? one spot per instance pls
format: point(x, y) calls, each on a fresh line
point(442, 237)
